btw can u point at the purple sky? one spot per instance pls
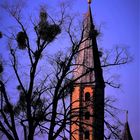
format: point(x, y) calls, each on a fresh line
point(119, 21)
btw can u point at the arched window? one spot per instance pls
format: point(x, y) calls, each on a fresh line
point(87, 115)
point(87, 134)
point(87, 96)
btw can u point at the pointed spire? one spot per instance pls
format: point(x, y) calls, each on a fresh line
point(89, 56)
point(127, 134)
point(126, 115)
point(85, 57)
point(89, 15)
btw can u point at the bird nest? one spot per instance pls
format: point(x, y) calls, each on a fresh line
point(21, 40)
point(48, 32)
point(0, 34)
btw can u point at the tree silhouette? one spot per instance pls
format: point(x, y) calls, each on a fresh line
point(43, 106)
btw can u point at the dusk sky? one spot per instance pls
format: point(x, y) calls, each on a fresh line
point(118, 21)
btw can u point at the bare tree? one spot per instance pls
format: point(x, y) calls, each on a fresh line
point(43, 106)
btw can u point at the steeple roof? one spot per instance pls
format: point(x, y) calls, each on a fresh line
point(88, 23)
point(127, 134)
point(85, 55)
point(88, 57)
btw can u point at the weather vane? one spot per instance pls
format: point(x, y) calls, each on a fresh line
point(89, 1)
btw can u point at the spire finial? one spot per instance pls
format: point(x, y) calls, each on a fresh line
point(89, 1)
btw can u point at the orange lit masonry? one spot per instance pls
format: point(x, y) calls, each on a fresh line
point(86, 106)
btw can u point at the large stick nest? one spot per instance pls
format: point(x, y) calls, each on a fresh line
point(48, 32)
point(21, 40)
point(0, 34)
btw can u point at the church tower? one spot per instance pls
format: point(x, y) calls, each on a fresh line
point(87, 99)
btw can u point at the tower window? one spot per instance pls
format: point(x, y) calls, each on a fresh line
point(87, 115)
point(87, 134)
point(87, 96)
